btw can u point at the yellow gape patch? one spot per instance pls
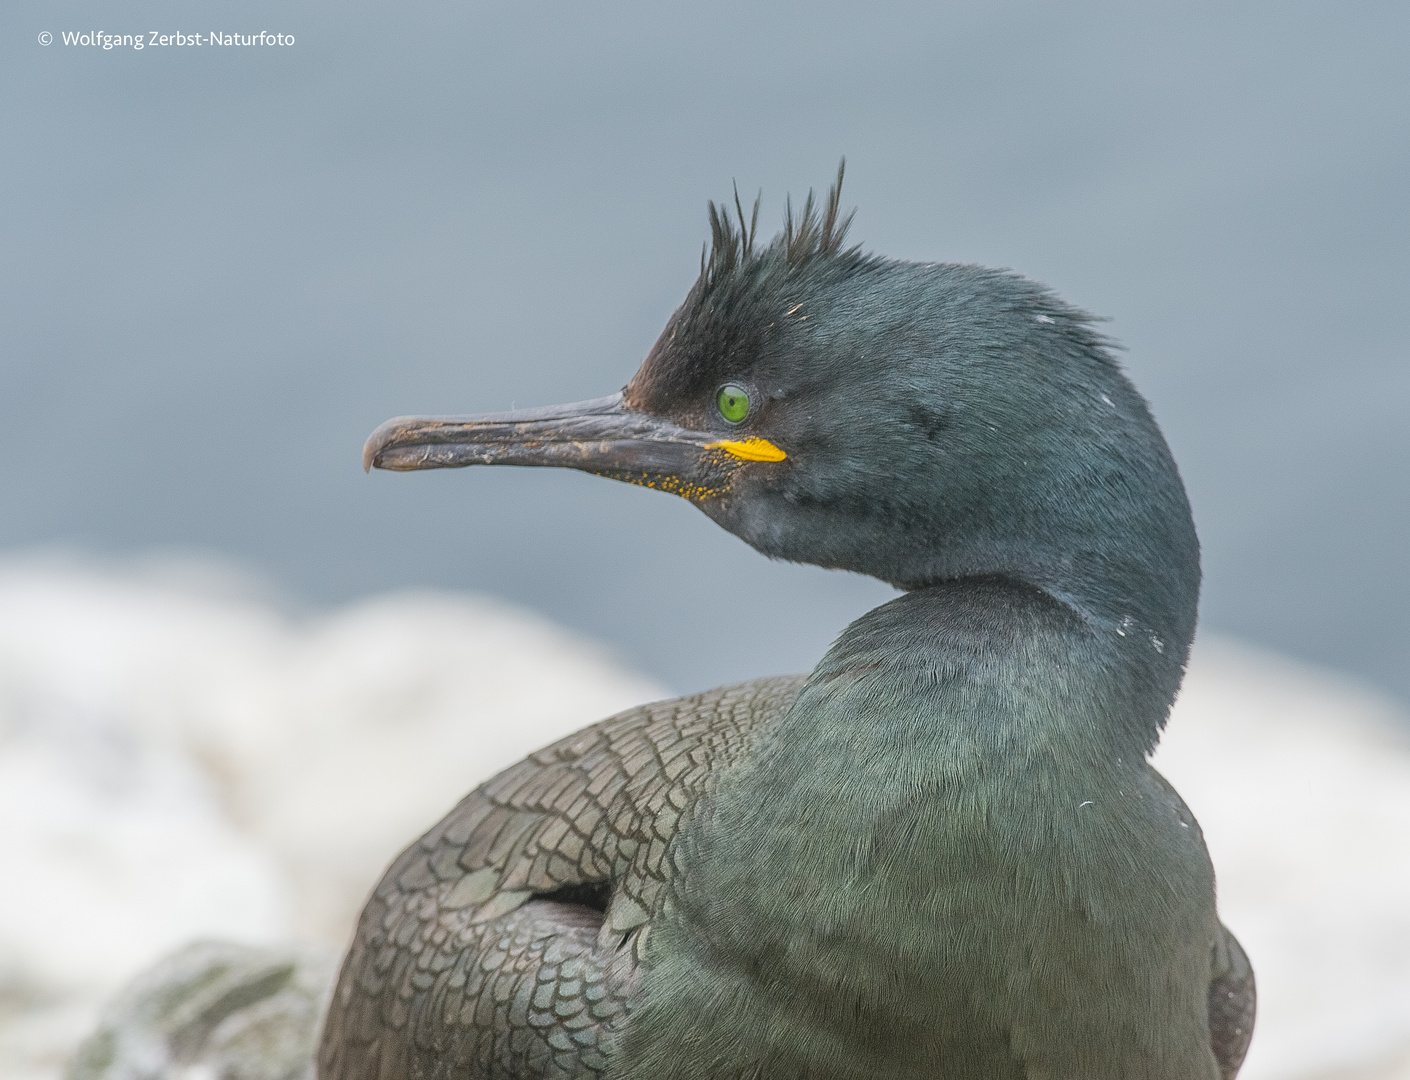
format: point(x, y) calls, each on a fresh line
point(749, 449)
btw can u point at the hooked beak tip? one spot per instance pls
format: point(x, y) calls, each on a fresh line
point(378, 440)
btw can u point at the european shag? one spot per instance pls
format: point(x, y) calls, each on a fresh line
point(941, 854)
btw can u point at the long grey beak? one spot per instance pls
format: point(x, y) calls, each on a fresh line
point(601, 436)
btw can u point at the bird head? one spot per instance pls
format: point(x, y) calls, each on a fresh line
point(917, 422)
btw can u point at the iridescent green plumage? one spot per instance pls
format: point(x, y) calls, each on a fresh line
point(940, 854)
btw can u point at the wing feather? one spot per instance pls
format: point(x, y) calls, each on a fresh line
point(466, 963)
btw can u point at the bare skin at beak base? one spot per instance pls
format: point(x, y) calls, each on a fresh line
point(602, 436)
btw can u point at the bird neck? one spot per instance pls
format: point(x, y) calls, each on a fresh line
point(966, 722)
point(983, 699)
point(1110, 543)
point(957, 796)
point(1117, 591)
point(1124, 612)
point(990, 667)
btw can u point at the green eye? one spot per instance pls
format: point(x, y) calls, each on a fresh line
point(733, 402)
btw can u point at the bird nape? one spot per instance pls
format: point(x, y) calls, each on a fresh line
point(940, 854)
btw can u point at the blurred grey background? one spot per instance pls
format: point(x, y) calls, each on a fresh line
point(222, 267)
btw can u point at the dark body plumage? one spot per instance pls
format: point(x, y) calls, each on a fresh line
point(941, 854)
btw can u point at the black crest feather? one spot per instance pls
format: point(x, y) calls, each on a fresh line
point(815, 233)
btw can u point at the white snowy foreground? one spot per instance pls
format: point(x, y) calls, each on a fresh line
point(180, 762)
